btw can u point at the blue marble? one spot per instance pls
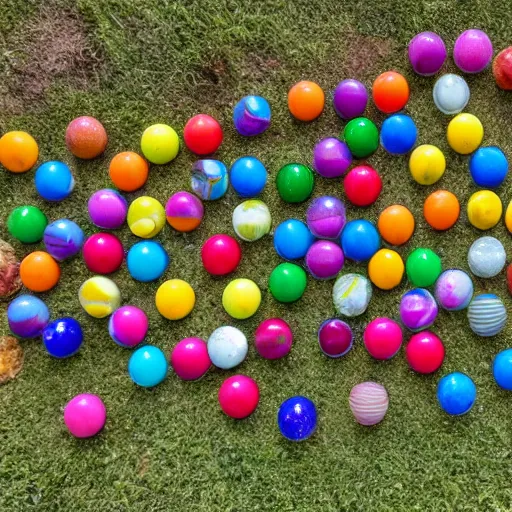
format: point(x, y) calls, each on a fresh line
point(54, 181)
point(147, 366)
point(292, 239)
point(251, 115)
point(147, 261)
point(63, 239)
point(209, 179)
point(27, 316)
point(297, 418)
point(456, 393)
point(63, 337)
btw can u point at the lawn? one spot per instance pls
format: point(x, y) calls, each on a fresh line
point(132, 63)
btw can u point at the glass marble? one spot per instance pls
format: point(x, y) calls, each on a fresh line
point(324, 259)
point(361, 136)
point(427, 53)
point(335, 337)
point(398, 134)
point(350, 98)
point(190, 359)
point(382, 338)
point(360, 240)
point(472, 51)
point(297, 418)
point(502, 369)
point(209, 179)
point(63, 239)
point(160, 144)
point(147, 261)
point(248, 176)
point(227, 347)
point(85, 415)
point(103, 253)
point(146, 217)
point(486, 257)
point(107, 209)
point(148, 366)
point(502, 69)
point(251, 220)
point(99, 296)
point(351, 294)
point(287, 282)
point(128, 326)
point(423, 267)
point(239, 396)
point(456, 393)
point(27, 316)
point(418, 309)
point(295, 182)
point(184, 211)
point(451, 94)
point(54, 181)
point(251, 116)
point(369, 403)
point(331, 158)
point(292, 239)
point(86, 137)
point(63, 337)
point(326, 217)
point(487, 315)
point(488, 167)
point(425, 352)
point(221, 255)
point(27, 224)
point(273, 338)
point(454, 290)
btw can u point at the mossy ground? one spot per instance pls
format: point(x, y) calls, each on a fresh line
point(132, 63)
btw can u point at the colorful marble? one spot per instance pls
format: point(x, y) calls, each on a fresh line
point(54, 181)
point(128, 326)
point(488, 167)
point(27, 316)
point(456, 394)
point(239, 396)
point(369, 403)
point(190, 359)
point(147, 261)
point(324, 259)
point(251, 116)
point(360, 240)
point(486, 257)
point(85, 415)
point(418, 309)
point(484, 209)
point(454, 290)
point(297, 418)
point(251, 220)
point(63, 239)
point(382, 338)
point(292, 239)
point(146, 217)
point(350, 98)
point(27, 224)
point(273, 338)
point(103, 253)
point(427, 53)
point(502, 369)
point(351, 294)
point(331, 158)
point(326, 217)
point(86, 137)
point(287, 282)
point(487, 315)
point(63, 337)
point(107, 209)
point(295, 182)
point(335, 337)
point(184, 211)
point(423, 267)
point(248, 176)
point(451, 94)
point(227, 347)
point(425, 352)
point(148, 366)
point(209, 179)
point(99, 296)
point(398, 134)
point(472, 51)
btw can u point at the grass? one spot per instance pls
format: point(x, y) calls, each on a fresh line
point(132, 63)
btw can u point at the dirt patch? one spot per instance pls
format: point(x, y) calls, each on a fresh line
point(54, 45)
point(10, 281)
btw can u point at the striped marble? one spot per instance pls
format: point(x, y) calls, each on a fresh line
point(487, 315)
point(369, 403)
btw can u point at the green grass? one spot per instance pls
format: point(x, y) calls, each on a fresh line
point(138, 62)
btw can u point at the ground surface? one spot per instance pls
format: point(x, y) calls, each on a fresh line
point(132, 63)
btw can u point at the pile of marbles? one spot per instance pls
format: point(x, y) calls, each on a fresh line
point(320, 246)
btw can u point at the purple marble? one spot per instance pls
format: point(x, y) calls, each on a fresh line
point(335, 337)
point(27, 316)
point(454, 290)
point(473, 50)
point(63, 239)
point(418, 309)
point(107, 209)
point(427, 53)
point(324, 259)
point(326, 217)
point(331, 158)
point(251, 116)
point(350, 98)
